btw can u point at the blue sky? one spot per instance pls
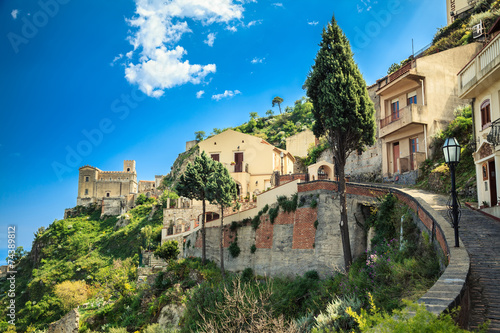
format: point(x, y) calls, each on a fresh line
point(98, 82)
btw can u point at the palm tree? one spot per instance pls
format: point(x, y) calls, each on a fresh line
point(277, 100)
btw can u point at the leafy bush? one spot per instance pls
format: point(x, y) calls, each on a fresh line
point(234, 249)
point(247, 275)
point(335, 318)
point(253, 248)
point(168, 250)
point(72, 293)
point(311, 275)
point(168, 194)
point(273, 213)
point(402, 321)
point(142, 200)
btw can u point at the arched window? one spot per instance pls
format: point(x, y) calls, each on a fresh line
point(485, 114)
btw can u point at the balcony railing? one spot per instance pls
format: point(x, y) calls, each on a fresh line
point(401, 113)
point(494, 135)
point(481, 65)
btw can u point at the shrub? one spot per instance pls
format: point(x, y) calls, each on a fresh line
point(245, 310)
point(335, 316)
point(247, 274)
point(273, 213)
point(314, 203)
point(256, 222)
point(234, 249)
point(168, 250)
point(72, 293)
point(402, 321)
point(253, 248)
point(311, 275)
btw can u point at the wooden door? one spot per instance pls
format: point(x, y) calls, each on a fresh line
point(395, 156)
point(238, 159)
point(493, 183)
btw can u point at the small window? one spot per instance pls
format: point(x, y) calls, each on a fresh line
point(485, 114)
point(87, 178)
point(86, 192)
point(107, 194)
point(395, 109)
point(215, 157)
point(412, 98)
point(128, 169)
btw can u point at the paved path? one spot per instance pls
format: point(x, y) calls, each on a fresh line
point(481, 236)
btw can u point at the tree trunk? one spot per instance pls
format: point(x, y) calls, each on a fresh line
point(221, 244)
point(203, 245)
point(344, 226)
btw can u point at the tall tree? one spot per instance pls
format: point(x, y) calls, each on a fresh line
point(199, 135)
point(222, 191)
point(277, 100)
point(194, 184)
point(343, 110)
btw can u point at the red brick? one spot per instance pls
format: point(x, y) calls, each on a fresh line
point(264, 234)
point(304, 233)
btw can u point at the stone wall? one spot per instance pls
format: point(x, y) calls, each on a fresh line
point(295, 243)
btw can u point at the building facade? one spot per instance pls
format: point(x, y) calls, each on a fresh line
point(479, 80)
point(300, 143)
point(416, 102)
point(251, 161)
point(456, 8)
point(95, 184)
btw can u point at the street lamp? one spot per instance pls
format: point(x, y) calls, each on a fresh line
point(451, 151)
point(282, 155)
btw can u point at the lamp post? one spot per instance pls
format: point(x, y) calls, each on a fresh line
point(451, 151)
point(282, 155)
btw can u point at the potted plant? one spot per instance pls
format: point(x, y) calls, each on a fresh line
point(484, 205)
point(233, 163)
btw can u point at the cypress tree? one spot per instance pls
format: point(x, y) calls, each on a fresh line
point(222, 191)
point(343, 110)
point(194, 184)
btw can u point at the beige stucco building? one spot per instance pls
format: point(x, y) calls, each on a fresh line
point(95, 184)
point(299, 144)
point(455, 8)
point(416, 102)
point(480, 81)
point(251, 161)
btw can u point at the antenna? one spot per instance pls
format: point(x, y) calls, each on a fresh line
point(412, 52)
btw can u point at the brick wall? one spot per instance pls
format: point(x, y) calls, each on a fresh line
point(264, 234)
point(304, 232)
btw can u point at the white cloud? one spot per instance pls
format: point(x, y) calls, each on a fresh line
point(118, 57)
point(257, 60)
point(231, 28)
point(278, 4)
point(200, 93)
point(251, 23)
point(226, 94)
point(313, 23)
point(156, 62)
point(210, 39)
point(14, 13)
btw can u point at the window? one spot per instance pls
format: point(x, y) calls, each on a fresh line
point(128, 169)
point(107, 194)
point(86, 179)
point(215, 157)
point(86, 192)
point(395, 109)
point(412, 98)
point(485, 114)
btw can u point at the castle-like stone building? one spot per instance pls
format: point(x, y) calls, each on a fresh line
point(94, 184)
